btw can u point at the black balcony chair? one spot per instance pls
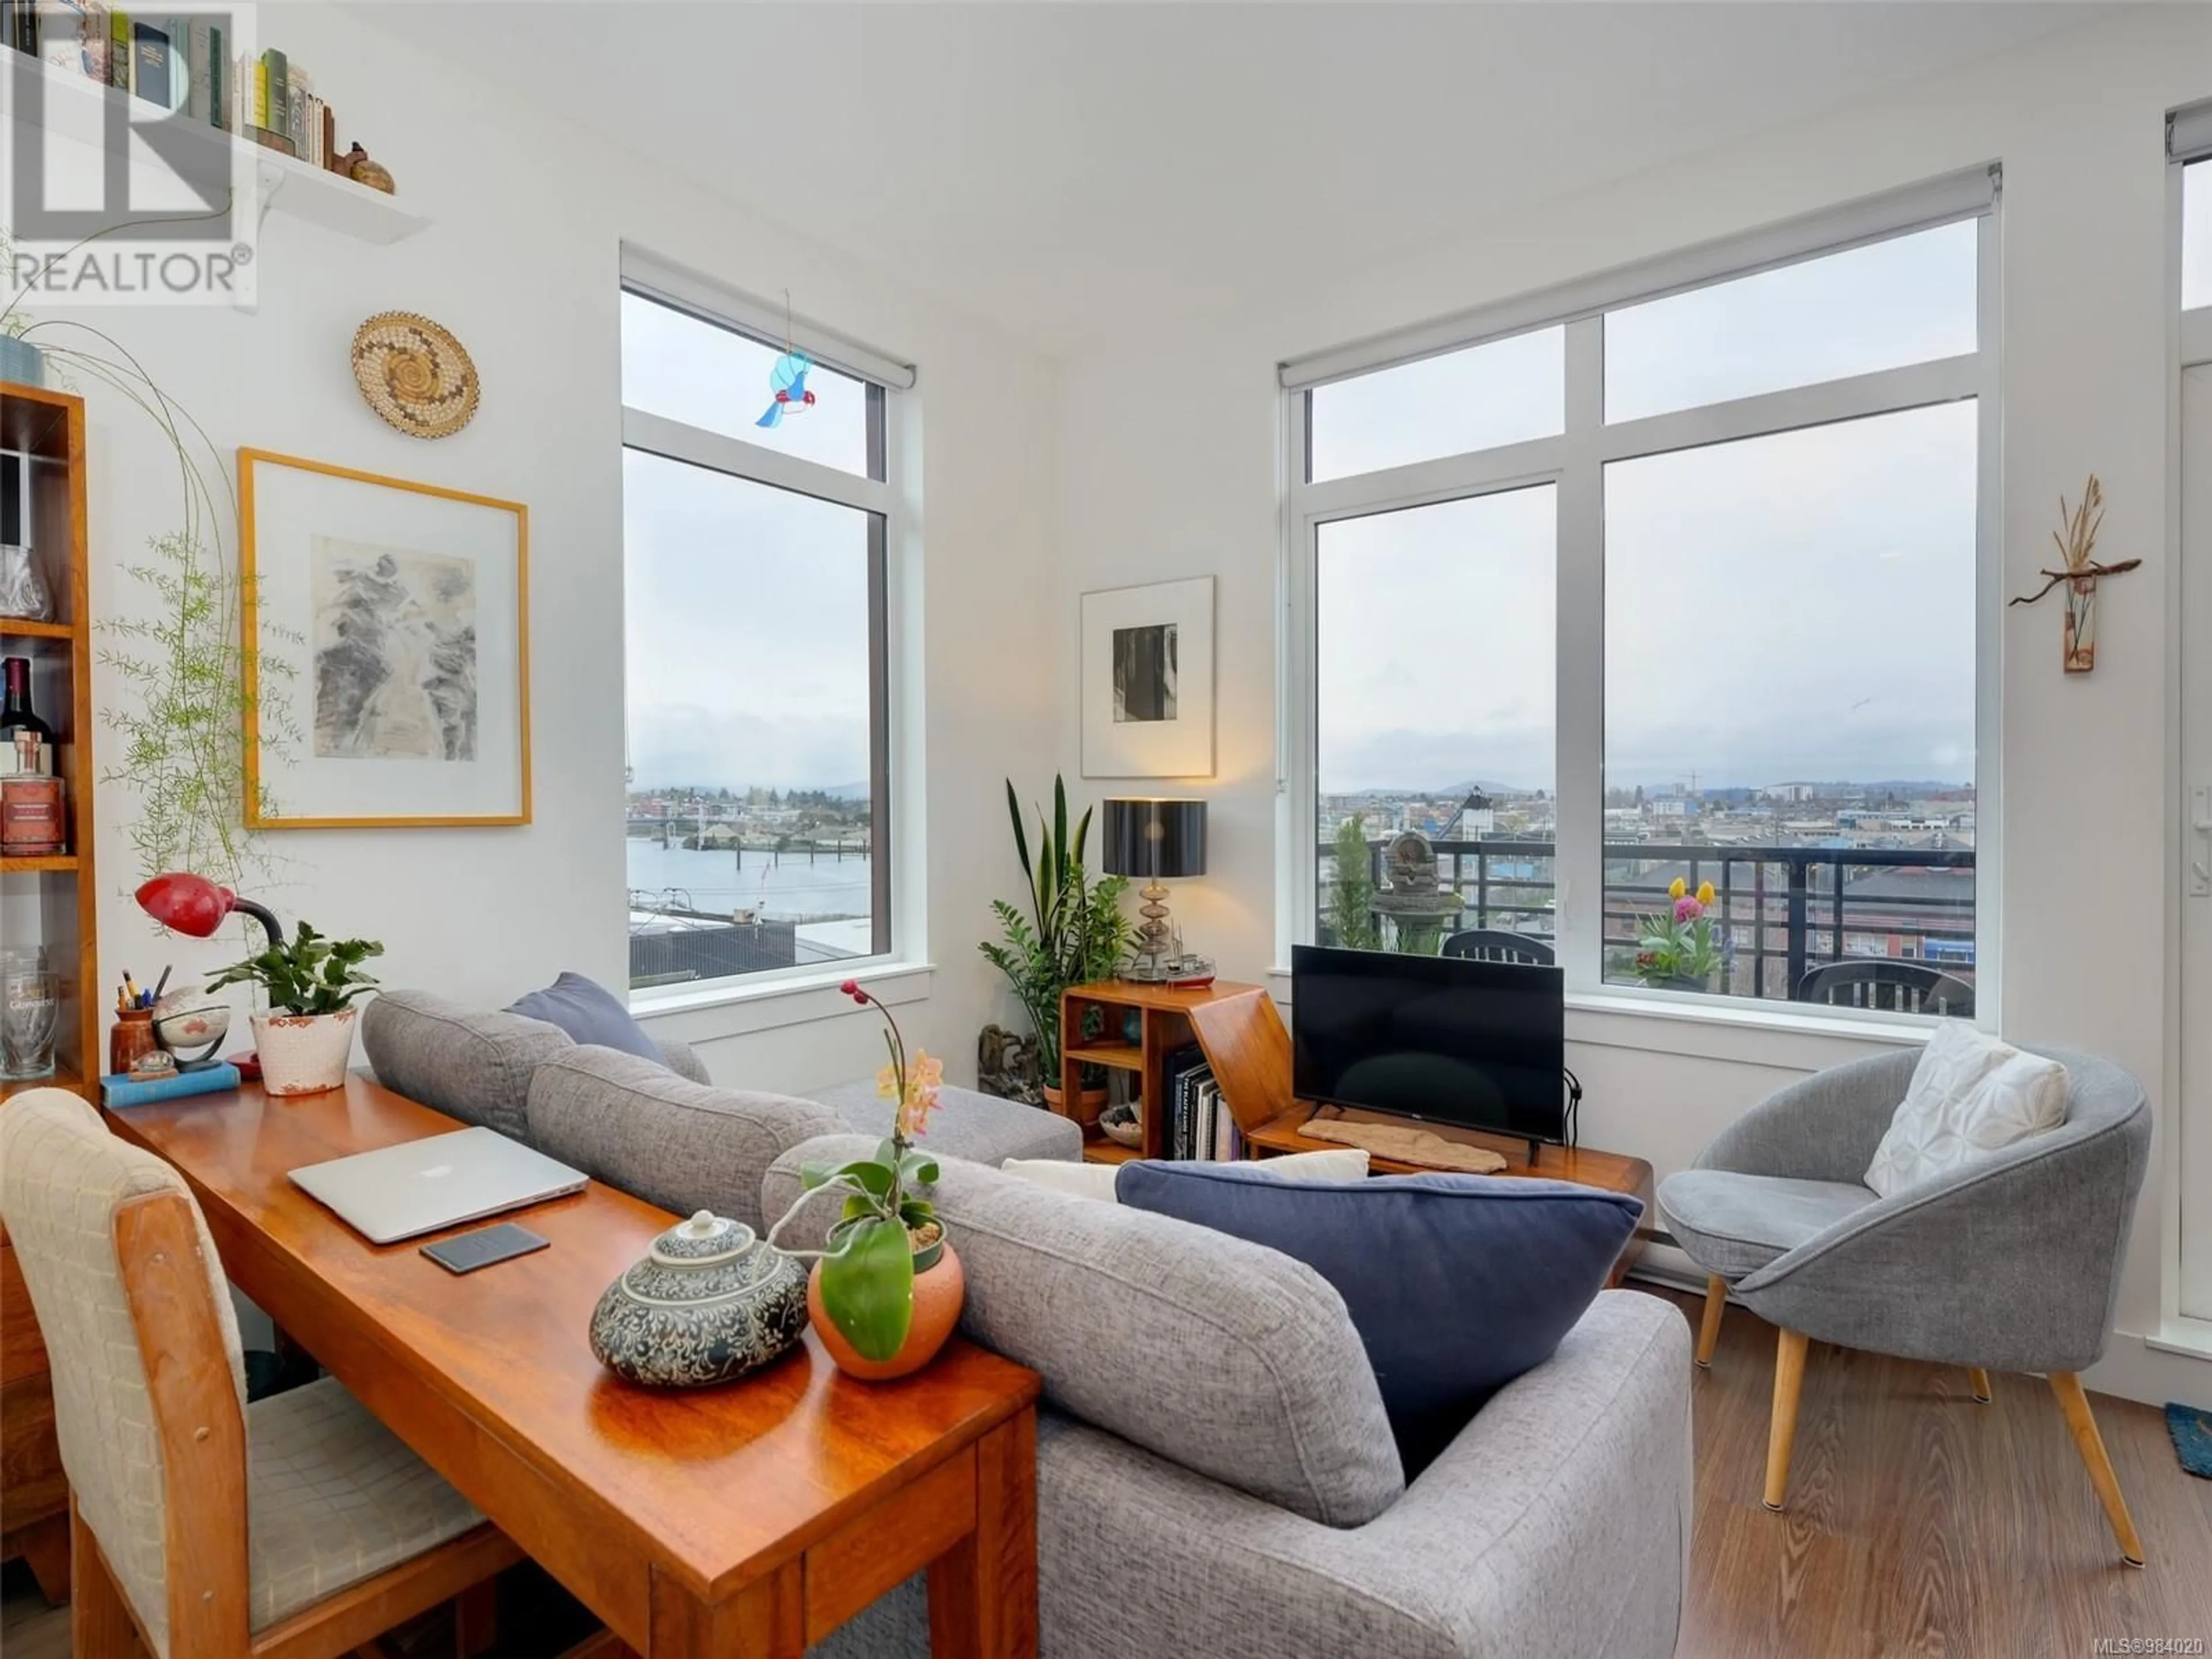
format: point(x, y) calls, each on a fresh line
point(1490, 944)
point(1895, 987)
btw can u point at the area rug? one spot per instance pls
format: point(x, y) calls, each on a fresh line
point(2192, 1429)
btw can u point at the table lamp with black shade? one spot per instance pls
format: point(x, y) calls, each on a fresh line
point(1156, 841)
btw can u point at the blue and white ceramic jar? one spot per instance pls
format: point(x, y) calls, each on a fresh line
point(710, 1301)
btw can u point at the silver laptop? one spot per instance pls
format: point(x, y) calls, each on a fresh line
point(441, 1180)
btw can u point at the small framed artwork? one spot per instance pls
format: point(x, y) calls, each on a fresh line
point(1148, 681)
point(400, 613)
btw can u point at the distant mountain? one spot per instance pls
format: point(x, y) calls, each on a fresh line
point(846, 792)
point(1487, 785)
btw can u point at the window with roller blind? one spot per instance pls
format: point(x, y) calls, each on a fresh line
point(1683, 578)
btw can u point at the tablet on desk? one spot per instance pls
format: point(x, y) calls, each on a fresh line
point(440, 1181)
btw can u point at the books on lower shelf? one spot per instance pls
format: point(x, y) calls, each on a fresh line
point(117, 1091)
point(1199, 1127)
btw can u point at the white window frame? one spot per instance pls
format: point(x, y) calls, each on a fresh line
point(2189, 141)
point(1575, 461)
point(897, 966)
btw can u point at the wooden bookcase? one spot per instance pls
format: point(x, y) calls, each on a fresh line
point(61, 893)
point(51, 901)
point(1164, 1026)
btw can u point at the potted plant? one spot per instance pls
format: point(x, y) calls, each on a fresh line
point(887, 1291)
point(305, 1036)
point(1681, 950)
point(1074, 933)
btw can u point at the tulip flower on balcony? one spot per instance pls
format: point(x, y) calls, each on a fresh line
point(1680, 948)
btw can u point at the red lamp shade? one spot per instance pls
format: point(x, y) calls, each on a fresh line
point(196, 906)
point(190, 904)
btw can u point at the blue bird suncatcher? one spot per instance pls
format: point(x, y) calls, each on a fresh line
point(787, 380)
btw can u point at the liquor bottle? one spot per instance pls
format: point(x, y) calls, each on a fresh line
point(17, 718)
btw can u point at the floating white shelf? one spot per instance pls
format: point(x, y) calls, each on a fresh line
point(76, 111)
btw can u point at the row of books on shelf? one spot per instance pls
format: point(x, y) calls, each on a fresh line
point(1198, 1125)
point(184, 63)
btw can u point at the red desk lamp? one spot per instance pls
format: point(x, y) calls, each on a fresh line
point(196, 906)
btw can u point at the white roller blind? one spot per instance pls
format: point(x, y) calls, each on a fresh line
point(2189, 132)
point(712, 302)
point(1939, 201)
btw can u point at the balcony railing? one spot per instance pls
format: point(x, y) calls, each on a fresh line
point(1782, 910)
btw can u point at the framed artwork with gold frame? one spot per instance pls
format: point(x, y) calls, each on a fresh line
point(387, 668)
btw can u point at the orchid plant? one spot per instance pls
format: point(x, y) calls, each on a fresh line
point(1682, 942)
point(867, 1269)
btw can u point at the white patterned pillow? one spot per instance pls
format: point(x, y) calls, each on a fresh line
point(1971, 1095)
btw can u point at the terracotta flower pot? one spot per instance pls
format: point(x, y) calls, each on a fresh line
point(940, 1291)
point(304, 1054)
point(1088, 1105)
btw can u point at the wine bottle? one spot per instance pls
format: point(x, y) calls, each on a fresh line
point(19, 720)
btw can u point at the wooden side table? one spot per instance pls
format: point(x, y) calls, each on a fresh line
point(1164, 1026)
point(744, 1522)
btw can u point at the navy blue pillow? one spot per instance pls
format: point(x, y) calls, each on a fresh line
point(588, 1012)
point(1457, 1283)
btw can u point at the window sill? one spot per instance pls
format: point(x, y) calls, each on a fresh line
point(2191, 1338)
point(733, 1008)
point(1794, 1039)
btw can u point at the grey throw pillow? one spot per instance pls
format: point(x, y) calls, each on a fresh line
point(588, 1012)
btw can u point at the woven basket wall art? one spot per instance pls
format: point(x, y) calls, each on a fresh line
point(415, 374)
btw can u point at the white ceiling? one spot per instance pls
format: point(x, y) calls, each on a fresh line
point(1068, 169)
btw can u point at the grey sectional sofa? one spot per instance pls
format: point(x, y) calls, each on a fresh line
point(1216, 1476)
point(664, 1133)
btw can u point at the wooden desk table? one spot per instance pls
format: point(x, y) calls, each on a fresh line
point(744, 1520)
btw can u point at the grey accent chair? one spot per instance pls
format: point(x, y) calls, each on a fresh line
point(2011, 1263)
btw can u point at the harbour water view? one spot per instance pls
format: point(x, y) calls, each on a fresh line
point(777, 887)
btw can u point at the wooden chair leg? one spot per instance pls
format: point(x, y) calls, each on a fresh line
point(1708, 1327)
point(476, 1619)
point(46, 1548)
point(2091, 1444)
point(1980, 1379)
point(1782, 1431)
point(100, 1626)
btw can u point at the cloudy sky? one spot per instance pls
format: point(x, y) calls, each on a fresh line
point(1797, 606)
point(746, 607)
point(2197, 227)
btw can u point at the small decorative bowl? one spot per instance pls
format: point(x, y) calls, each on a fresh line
point(191, 1024)
point(1119, 1124)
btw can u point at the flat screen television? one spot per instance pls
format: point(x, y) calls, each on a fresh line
point(1480, 1044)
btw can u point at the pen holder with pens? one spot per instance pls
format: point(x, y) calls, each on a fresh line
point(130, 1040)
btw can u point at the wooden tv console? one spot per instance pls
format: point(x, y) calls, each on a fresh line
point(1248, 1046)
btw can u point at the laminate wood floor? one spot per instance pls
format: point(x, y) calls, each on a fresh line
point(1920, 1523)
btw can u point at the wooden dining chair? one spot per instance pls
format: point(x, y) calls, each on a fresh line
point(295, 1527)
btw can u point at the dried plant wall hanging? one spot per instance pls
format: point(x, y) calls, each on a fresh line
point(2077, 549)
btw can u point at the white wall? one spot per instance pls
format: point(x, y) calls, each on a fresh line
point(1169, 463)
point(521, 263)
